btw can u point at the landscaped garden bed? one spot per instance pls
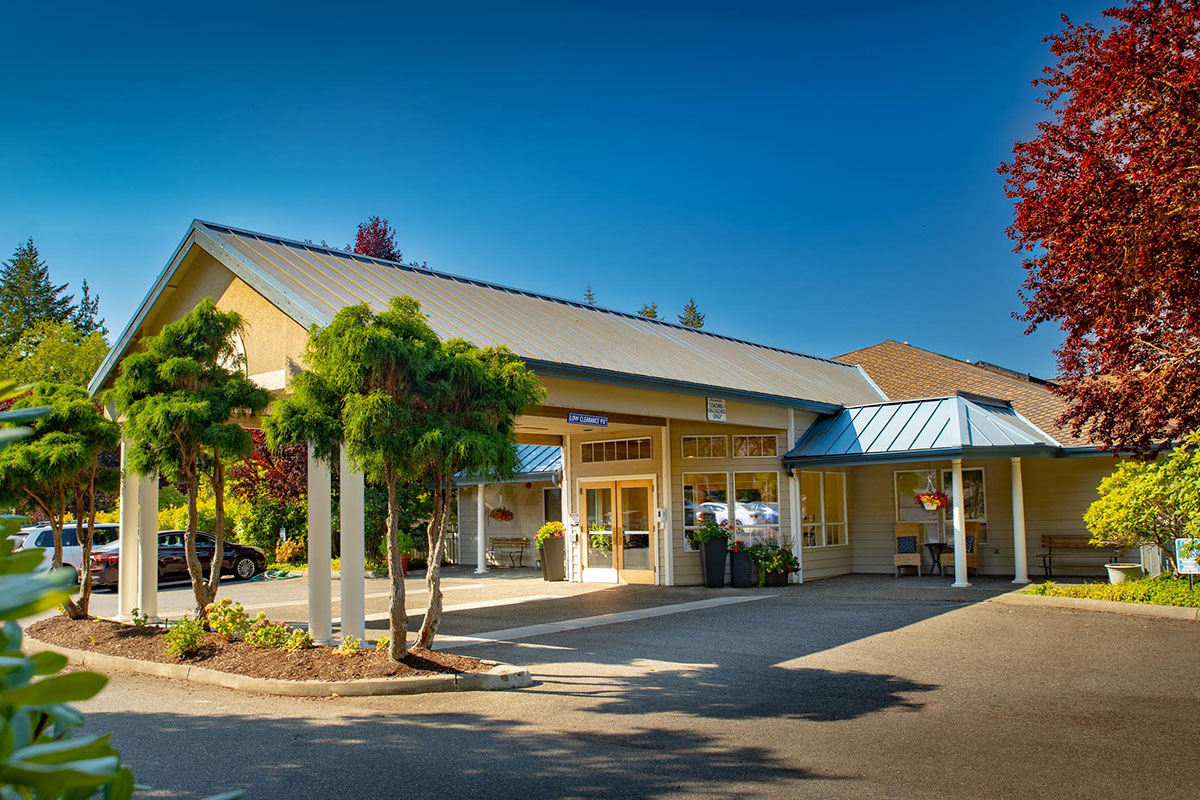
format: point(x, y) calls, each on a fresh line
point(1153, 591)
point(216, 652)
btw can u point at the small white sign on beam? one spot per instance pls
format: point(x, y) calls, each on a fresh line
point(716, 409)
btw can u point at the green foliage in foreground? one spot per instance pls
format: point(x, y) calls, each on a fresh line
point(1161, 591)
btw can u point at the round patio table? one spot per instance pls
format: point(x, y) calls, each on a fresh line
point(935, 555)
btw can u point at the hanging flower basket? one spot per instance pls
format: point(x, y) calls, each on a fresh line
point(932, 501)
point(501, 514)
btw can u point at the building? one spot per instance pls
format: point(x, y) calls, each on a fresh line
point(659, 426)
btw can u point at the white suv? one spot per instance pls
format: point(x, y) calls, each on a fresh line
point(43, 537)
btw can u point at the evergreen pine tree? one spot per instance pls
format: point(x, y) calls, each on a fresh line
point(27, 296)
point(589, 296)
point(86, 315)
point(649, 310)
point(691, 316)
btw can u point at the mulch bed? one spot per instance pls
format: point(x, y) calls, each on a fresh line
point(316, 663)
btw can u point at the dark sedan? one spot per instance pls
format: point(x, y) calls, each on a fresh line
point(241, 561)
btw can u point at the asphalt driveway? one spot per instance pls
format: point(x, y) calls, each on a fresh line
point(851, 687)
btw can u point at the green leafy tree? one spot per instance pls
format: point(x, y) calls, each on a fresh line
point(1150, 502)
point(27, 295)
point(467, 422)
point(649, 311)
point(57, 471)
point(691, 316)
point(181, 398)
point(589, 296)
point(54, 351)
point(365, 378)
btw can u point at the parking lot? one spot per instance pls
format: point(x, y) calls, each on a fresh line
point(851, 687)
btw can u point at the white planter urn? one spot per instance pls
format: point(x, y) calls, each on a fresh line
point(1119, 573)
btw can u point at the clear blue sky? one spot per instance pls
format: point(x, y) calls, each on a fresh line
point(817, 178)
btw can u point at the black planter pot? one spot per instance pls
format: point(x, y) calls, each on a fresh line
point(554, 556)
point(741, 570)
point(712, 562)
point(777, 579)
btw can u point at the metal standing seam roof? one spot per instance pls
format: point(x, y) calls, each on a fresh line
point(312, 283)
point(535, 462)
point(940, 427)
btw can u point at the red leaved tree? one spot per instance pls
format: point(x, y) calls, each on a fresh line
point(1107, 217)
point(377, 238)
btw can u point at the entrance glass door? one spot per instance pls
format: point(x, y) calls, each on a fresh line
point(620, 546)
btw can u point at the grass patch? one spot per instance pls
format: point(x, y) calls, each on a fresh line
point(1160, 591)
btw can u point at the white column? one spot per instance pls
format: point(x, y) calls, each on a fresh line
point(568, 502)
point(320, 556)
point(127, 566)
point(147, 599)
point(960, 527)
point(1020, 559)
point(480, 534)
point(352, 587)
point(795, 502)
point(665, 494)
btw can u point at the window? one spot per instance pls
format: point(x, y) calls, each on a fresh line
point(910, 483)
point(823, 509)
point(551, 504)
point(704, 447)
point(619, 450)
point(704, 498)
point(974, 500)
point(756, 507)
point(752, 446)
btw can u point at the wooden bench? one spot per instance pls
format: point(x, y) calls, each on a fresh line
point(1078, 548)
point(513, 547)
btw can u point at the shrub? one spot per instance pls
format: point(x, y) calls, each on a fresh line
point(382, 643)
point(184, 637)
point(298, 640)
point(227, 618)
point(711, 530)
point(291, 551)
point(138, 618)
point(1161, 591)
point(349, 646)
point(264, 633)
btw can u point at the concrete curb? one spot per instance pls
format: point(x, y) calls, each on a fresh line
point(501, 676)
point(1088, 604)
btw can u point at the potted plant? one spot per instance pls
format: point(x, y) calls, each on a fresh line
point(1119, 573)
point(713, 540)
point(932, 501)
point(551, 543)
point(741, 569)
point(774, 563)
point(405, 546)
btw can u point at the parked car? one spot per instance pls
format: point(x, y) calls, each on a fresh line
point(239, 560)
point(42, 537)
point(720, 513)
point(767, 513)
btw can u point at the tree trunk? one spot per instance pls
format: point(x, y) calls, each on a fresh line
point(78, 610)
point(85, 583)
point(57, 529)
point(218, 483)
point(195, 571)
point(397, 614)
point(436, 533)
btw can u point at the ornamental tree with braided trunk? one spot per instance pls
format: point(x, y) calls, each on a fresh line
point(1107, 215)
point(181, 398)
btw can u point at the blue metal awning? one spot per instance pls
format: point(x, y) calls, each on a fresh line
point(535, 462)
point(962, 425)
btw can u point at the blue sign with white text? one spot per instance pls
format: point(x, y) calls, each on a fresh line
point(587, 419)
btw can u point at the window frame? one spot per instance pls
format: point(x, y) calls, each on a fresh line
point(762, 437)
point(696, 436)
point(683, 482)
point(604, 443)
point(823, 524)
point(778, 526)
point(947, 488)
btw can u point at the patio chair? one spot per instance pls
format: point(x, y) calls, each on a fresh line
point(908, 546)
point(973, 530)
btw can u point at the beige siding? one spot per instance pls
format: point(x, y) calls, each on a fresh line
point(526, 504)
point(1057, 493)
